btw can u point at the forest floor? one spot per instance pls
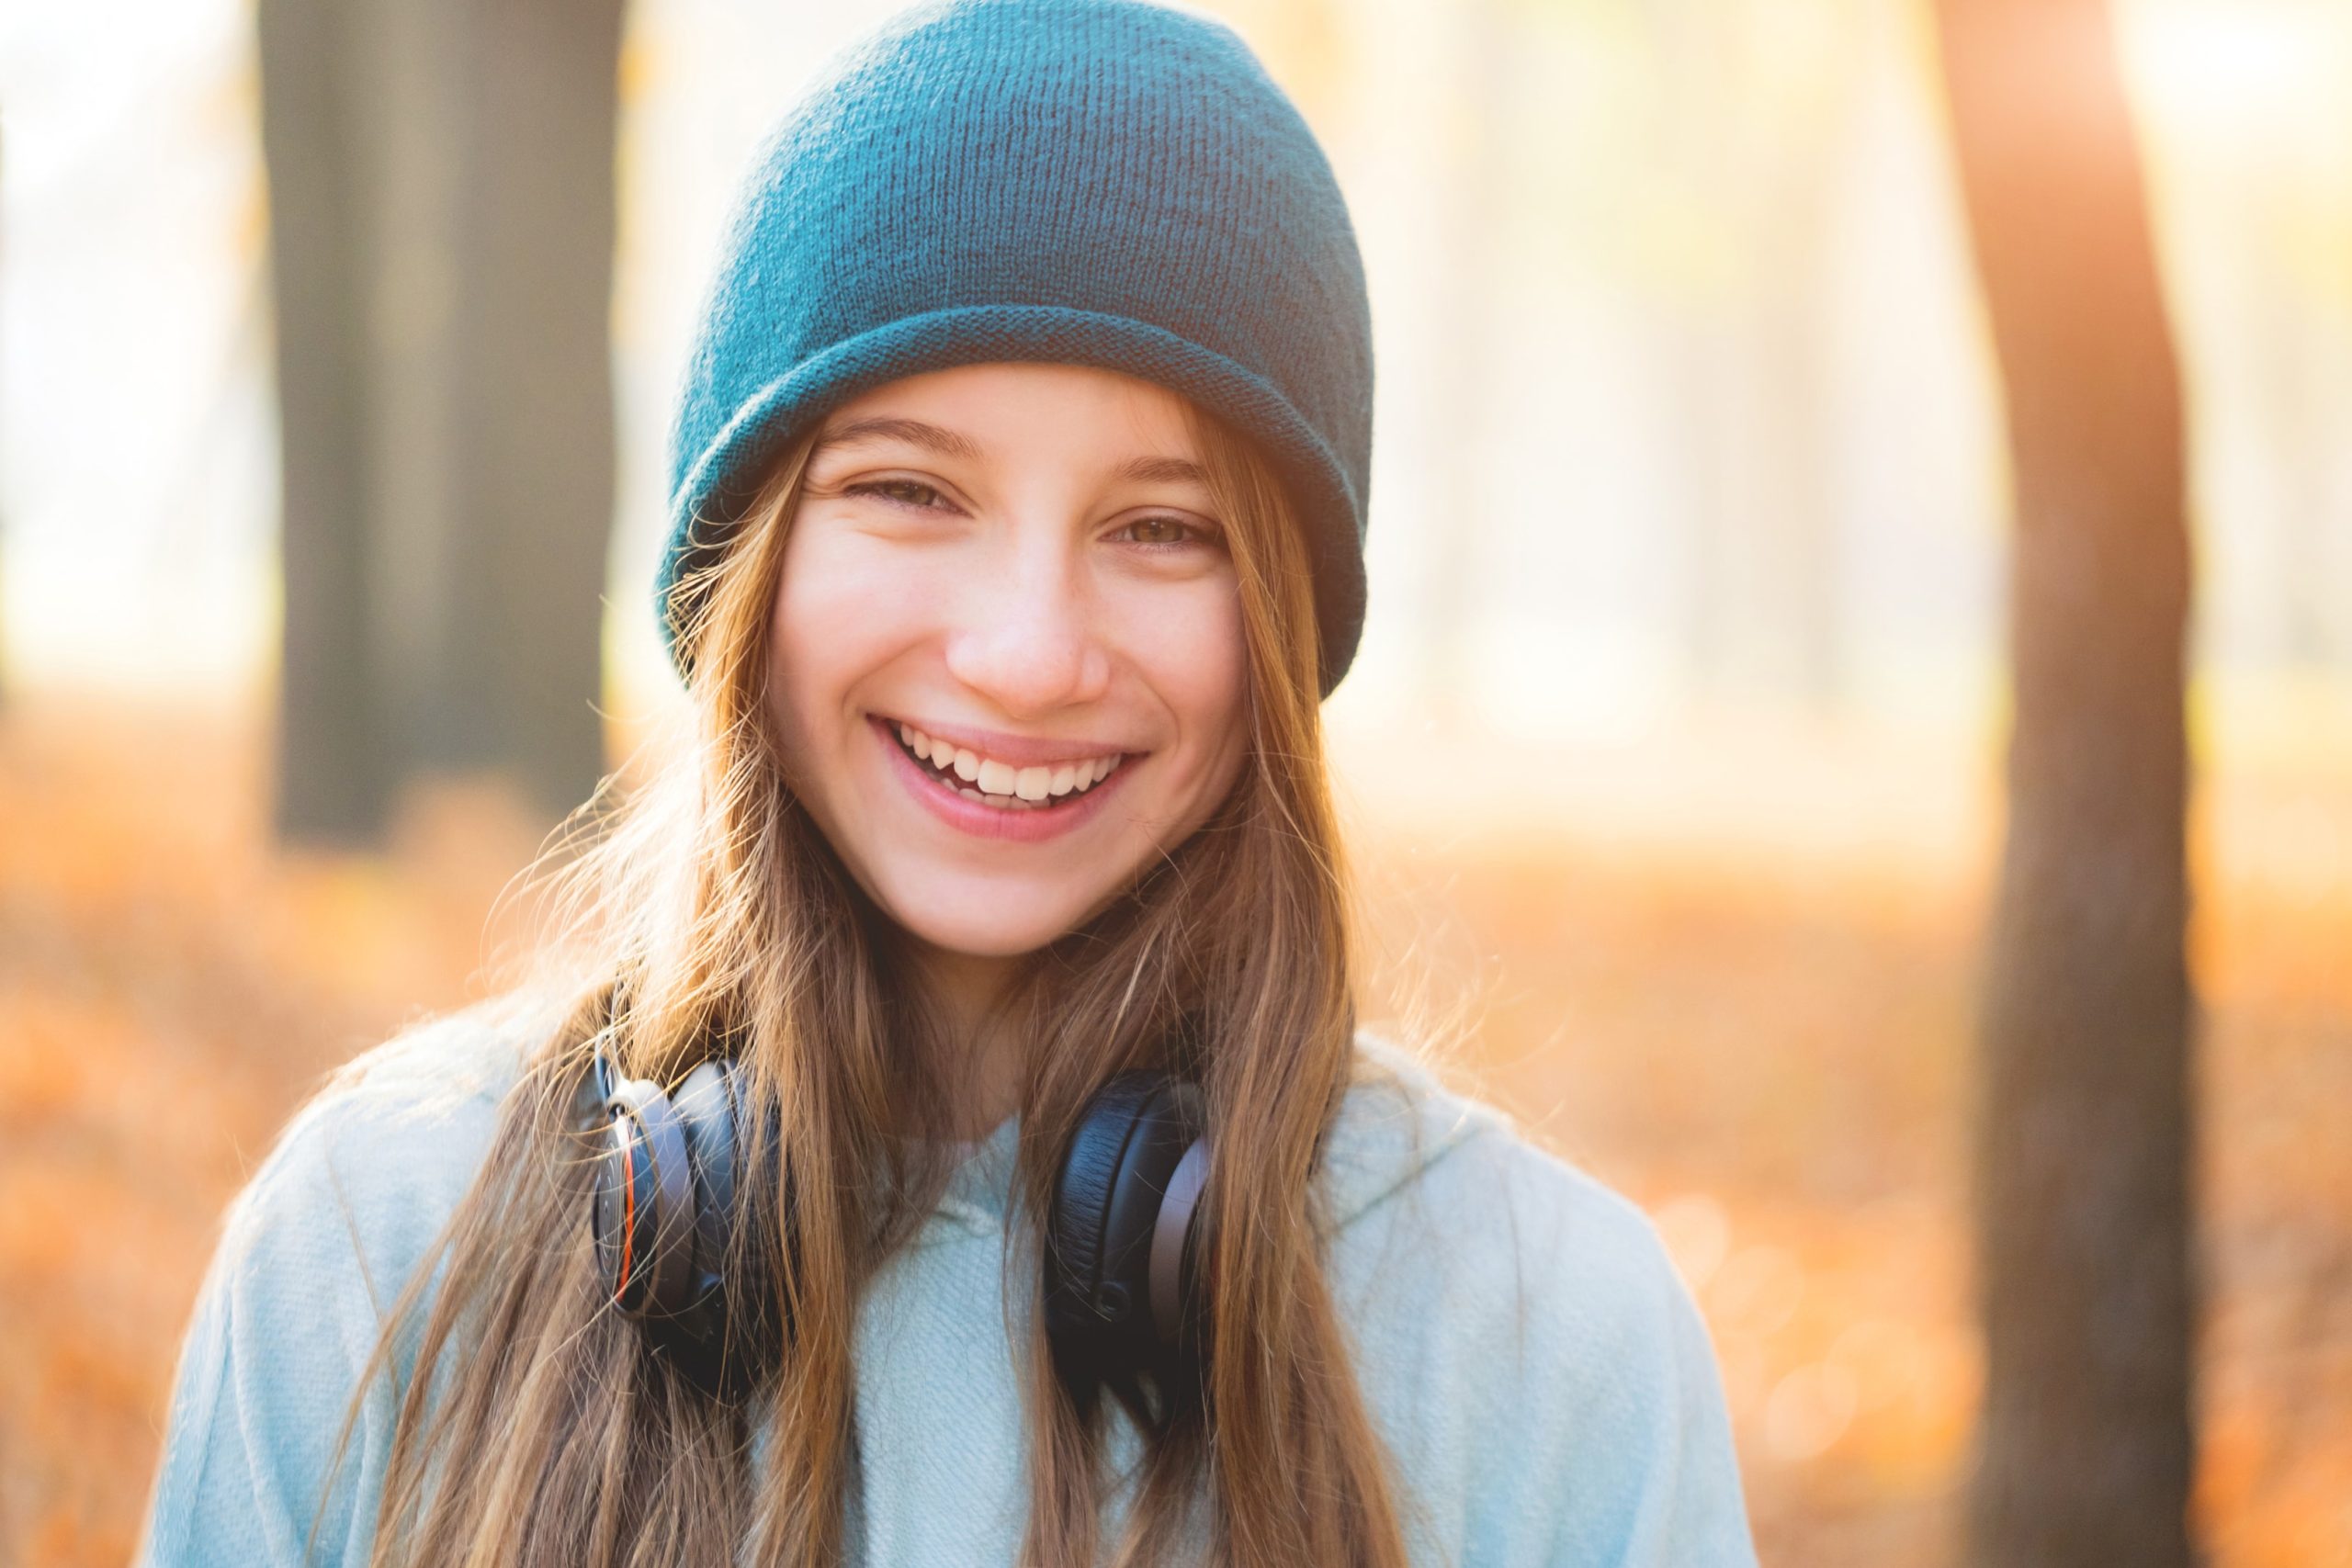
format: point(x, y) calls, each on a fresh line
point(1732, 974)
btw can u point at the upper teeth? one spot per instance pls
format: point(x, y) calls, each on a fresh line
point(993, 777)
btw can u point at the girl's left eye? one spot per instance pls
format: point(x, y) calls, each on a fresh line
point(1165, 532)
point(884, 488)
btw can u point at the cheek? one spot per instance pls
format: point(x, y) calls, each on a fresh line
point(1199, 667)
point(838, 616)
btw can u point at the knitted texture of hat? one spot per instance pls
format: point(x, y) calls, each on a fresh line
point(1112, 183)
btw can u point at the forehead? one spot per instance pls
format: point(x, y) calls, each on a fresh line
point(980, 414)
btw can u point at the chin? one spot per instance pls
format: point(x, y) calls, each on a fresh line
point(980, 936)
point(987, 920)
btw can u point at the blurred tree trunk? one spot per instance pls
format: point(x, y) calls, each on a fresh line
point(2306, 484)
point(531, 405)
point(1471, 275)
point(2084, 1146)
point(1749, 350)
point(443, 203)
point(333, 782)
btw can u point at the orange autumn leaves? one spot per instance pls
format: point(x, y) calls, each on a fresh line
point(1753, 1023)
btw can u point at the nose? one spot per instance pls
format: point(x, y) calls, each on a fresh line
point(1025, 637)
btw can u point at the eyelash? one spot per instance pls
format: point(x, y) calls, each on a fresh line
point(881, 489)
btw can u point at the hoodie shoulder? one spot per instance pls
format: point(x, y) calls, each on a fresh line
point(313, 1254)
point(1533, 1359)
point(1397, 1121)
point(394, 1135)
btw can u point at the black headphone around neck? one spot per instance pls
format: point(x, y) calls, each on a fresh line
point(1122, 1278)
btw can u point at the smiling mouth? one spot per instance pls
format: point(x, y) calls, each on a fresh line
point(1001, 784)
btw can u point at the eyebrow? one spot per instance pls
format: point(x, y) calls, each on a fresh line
point(884, 427)
point(1174, 470)
point(951, 444)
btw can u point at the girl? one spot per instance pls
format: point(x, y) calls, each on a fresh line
point(940, 1134)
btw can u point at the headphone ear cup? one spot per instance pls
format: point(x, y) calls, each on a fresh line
point(706, 1104)
point(1175, 1267)
point(663, 1216)
point(643, 1211)
point(1077, 1231)
point(1124, 1203)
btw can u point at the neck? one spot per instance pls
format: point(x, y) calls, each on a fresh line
point(984, 1074)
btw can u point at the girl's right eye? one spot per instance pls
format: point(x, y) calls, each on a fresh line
point(884, 488)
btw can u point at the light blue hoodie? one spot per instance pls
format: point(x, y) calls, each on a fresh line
point(1532, 1360)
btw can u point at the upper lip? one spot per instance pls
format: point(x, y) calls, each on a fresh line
point(1014, 750)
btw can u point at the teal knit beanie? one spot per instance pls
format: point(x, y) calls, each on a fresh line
point(1112, 183)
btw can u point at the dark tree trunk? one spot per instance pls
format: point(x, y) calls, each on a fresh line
point(442, 190)
point(331, 779)
point(532, 396)
point(2085, 1223)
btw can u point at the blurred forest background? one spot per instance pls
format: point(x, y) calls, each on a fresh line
point(1675, 753)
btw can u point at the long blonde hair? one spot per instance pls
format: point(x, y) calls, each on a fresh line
point(537, 1431)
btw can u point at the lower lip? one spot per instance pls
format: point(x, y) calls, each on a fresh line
point(991, 821)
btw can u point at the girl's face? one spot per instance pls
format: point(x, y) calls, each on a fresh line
point(1008, 649)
